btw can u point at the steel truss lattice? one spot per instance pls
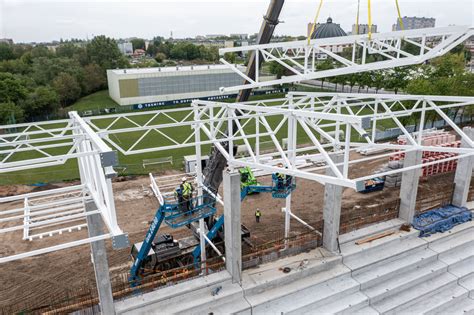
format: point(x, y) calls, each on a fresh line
point(389, 49)
point(307, 120)
point(297, 130)
point(52, 213)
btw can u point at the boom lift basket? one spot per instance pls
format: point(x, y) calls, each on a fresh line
point(186, 212)
point(282, 187)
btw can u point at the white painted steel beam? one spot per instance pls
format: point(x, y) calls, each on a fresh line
point(297, 56)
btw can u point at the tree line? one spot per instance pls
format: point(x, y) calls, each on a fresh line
point(163, 50)
point(36, 82)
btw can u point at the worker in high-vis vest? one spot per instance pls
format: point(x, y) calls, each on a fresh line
point(258, 214)
point(280, 178)
point(187, 193)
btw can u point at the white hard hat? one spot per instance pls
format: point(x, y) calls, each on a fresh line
point(184, 179)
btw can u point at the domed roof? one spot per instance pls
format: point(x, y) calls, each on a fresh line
point(329, 29)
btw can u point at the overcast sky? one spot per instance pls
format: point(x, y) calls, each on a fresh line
point(42, 20)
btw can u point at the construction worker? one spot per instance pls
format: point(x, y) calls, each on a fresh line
point(178, 194)
point(258, 214)
point(280, 178)
point(187, 193)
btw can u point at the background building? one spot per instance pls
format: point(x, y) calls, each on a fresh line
point(6, 41)
point(148, 87)
point(326, 30)
point(126, 48)
point(240, 36)
point(363, 29)
point(411, 23)
point(470, 46)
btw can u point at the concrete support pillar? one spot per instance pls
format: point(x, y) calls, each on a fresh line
point(332, 209)
point(409, 186)
point(99, 260)
point(232, 229)
point(462, 178)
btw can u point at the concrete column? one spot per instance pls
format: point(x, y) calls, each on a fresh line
point(462, 178)
point(232, 229)
point(99, 260)
point(332, 209)
point(409, 186)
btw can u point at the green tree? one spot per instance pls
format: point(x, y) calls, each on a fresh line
point(104, 51)
point(325, 65)
point(12, 88)
point(41, 51)
point(6, 52)
point(277, 69)
point(138, 43)
point(68, 49)
point(165, 48)
point(67, 88)
point(396, 79)
point(152, 50)
point(45, 70)
point(15, 66)
point(10, 114)
point(160, 57)
point(184, 51)
point(230, 57)
point(94, 79)
point(42, 102)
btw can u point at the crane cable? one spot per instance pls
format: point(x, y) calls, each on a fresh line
point(315, 21)
point(400, 20)
point(357, 18)
point(370, 19)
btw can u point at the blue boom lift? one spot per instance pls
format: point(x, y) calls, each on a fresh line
point(281, 188)
point(201, 207)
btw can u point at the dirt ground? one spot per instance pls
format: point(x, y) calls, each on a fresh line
point(35, 280)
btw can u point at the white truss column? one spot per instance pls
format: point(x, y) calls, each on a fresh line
point(463, 176)
point(232, 225)
point(332, 209)
point(99, 260)
point(409, 186)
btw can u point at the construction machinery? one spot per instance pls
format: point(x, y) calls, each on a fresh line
point(169, 210)
point(162, 252)
point(374, 184)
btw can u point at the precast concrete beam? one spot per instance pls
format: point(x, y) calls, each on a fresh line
point(463, 176)
point(409, 186)
point(232, 225)
point(99, 260)
point(332, 209)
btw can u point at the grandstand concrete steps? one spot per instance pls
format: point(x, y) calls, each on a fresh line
point(414, 294)
point(431, 304)
point(383, 250)
point(464, 306)
point(380, 272)
point(324, 287)
point(448, 242)
point(405, 280)
point(184, 297)
point(393, 224)
point(467, 282)
point(366, 311)
point(348, 304)
point(462, 268)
